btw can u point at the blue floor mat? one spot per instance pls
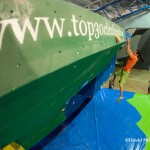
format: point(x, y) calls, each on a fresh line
point(103, 124)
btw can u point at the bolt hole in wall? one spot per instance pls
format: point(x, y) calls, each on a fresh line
point(11, 11)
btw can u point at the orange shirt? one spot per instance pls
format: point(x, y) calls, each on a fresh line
point(130, 63)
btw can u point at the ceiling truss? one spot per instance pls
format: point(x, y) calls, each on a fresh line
point(115, 10)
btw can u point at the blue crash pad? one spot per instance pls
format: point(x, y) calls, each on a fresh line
point(103, 124)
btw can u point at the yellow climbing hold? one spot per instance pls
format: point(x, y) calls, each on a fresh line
point(13, 146)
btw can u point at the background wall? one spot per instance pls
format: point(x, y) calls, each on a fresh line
point(139, 27)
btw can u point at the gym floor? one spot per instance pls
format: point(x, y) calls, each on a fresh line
point(136, 82)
